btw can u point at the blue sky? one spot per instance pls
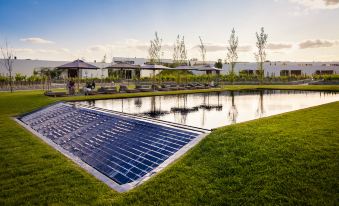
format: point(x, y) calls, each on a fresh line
point(299, 30)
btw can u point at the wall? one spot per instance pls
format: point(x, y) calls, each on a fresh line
point(274, 68)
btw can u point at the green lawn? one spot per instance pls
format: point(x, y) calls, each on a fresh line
point(285, 159)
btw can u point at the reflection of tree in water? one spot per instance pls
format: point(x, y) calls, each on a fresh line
point(154, 111)
point(260, 110)
point(182, 109)
point(91, 103)
point(208, 106)
point(138, 102)
point(233, 112)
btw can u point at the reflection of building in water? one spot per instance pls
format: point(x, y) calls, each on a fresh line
point(260, 110)
point(181, 111)
point(155, 111)
point(233, 112)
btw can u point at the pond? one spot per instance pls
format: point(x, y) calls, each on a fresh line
point(216, 109)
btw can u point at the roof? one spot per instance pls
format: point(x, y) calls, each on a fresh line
point(77, 64)
point(155, 67)
point(123, 66)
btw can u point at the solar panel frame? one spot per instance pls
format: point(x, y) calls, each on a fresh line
point(126, 160)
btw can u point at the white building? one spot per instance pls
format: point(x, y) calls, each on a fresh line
point(285, 68)
point(27, 67)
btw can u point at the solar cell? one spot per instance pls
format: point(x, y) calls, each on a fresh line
point(123, 148)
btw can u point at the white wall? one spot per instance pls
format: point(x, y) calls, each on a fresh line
point(27, 67)
point(274, 68)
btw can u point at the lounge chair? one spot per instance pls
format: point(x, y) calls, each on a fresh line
point(144, 88)
point(55, 94)
point(124, 89)
point(107, 90)
point(160, 88)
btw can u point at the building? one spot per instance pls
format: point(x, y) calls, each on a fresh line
point(285, 68)
point(27, 67)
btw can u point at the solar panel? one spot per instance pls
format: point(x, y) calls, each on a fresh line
point(123, 148)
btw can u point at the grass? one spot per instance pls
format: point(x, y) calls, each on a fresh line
point(290, 159)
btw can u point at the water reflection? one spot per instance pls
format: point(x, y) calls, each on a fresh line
point(208, 105)
point(233, 112)
point(138, 102)
point(260, 110)
point(181, 110)
point(155, 111)
point(211, 110)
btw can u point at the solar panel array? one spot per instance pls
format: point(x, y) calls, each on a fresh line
point(122, 148)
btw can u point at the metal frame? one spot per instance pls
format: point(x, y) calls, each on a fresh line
point(97, 174)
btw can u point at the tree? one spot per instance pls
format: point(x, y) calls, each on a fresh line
point(260, 56)
point(232, 55)
point(176, 51)
point(8, 59)
point(179, 51)
point(218, 64)
point(104, 59)
point(183, 51)
point(202, 50)
point(154, 50)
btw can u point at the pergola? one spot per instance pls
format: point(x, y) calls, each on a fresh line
point(74, 67)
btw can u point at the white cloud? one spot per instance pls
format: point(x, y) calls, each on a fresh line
point(279, 46)
point(96, 48)
point(36, 40)
point(317, 43)
point(210, 47)
point(317, 4)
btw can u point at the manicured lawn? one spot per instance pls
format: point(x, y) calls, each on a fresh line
point(285, 159)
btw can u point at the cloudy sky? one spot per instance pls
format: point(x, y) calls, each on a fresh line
point(299, 30)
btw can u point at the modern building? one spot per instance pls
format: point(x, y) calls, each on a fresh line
point(285, 68)
point(27, 67)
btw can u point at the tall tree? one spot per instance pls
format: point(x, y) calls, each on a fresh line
point(260, 56)
point(154, 50)
point(179, 51)
point(183, 51)
point(232, 54)
point(104, 59)
point(176, 51)
point(202, 50)
point(8, 59)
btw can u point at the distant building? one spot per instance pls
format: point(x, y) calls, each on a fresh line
point(285, 68)
point(27, 67)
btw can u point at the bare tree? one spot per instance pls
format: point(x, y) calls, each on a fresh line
point(8, 59)
point(179, 51)
point(154, 50)
point(183, 51)
point(104, 59)
point(176, 51)
point(260, 56)
point(232, 55)
point(202, 50)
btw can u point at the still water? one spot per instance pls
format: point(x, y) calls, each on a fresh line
point(211, 110)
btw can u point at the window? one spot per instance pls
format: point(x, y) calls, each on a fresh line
point(296, 72)
point(284, 73)
point(247, 71)
point(321, 72)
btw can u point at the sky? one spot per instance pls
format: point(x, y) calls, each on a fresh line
point(298, 30)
